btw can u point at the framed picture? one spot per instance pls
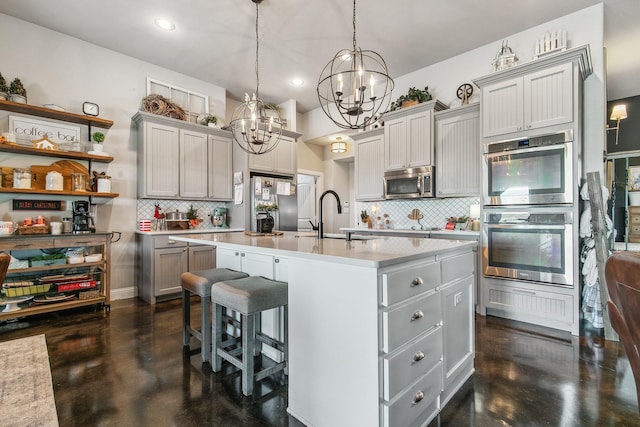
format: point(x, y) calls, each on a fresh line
point(634, 178)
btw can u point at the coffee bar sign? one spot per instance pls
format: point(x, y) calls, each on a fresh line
point(26, 129)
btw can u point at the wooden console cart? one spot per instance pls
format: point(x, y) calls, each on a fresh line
point(85, 283)
point(55, 285)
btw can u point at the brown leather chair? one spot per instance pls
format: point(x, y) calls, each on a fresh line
point(622, 273)
point(5, 259)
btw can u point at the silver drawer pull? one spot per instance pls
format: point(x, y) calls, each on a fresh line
point(417, 281)
point(418, 397)
point(418, 356)
point(171, 242)
point(417, 315)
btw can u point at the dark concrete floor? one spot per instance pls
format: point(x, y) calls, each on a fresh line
point(127, 367)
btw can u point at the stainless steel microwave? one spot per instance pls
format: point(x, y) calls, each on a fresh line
point(409, 183)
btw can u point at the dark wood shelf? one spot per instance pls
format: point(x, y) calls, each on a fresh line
point(21, 149)
point(47, 308)
point(58, 193)
point(48, 113)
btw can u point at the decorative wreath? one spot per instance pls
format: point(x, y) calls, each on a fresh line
point(158, 104)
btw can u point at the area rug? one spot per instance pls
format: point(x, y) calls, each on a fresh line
point(26, 390)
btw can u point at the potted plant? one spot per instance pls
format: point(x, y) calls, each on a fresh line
point(211, 121)
point(413, 97)
point(98, 139)
point(4, 89)
point(17, 92)
point(192, 216)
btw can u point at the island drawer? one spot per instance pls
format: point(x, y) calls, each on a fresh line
point(457, 266)
point(409, 320)
point(76, 241)
point(398, 285)
point(420, 401)
point(416, 359)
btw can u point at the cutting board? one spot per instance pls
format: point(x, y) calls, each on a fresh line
point(255, 233)
point(65, 167)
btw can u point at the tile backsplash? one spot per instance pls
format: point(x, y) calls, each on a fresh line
point(146, 207)
point(435, 211)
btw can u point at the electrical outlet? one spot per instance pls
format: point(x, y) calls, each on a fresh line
point(457, 299)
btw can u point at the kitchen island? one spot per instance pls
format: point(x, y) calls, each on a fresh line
point(380, 330)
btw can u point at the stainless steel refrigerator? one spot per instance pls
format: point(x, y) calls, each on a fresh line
point(269, 192)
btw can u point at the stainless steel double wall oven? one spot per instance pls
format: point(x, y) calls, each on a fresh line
point(528, 216)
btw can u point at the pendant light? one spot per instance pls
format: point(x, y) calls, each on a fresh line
point(354, 88)
point(256, 127)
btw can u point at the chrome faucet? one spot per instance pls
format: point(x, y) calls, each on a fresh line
point(320, 225)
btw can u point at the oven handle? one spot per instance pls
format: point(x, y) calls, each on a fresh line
point(526, 150)
point(528, 227)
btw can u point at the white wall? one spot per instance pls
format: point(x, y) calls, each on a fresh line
point(66, 71)
point(585, 27)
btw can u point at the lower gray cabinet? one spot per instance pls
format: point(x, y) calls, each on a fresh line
point(161, 261)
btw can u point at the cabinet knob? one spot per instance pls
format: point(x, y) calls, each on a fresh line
point(417, 315)
point(242, 254)
point(417, 281)
point(417, 397)
point(418, 356)
point(276, 260)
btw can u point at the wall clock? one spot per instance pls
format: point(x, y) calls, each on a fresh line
point(90, 109)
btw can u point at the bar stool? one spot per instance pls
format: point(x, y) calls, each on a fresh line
point(249, 296)
point(199, 283)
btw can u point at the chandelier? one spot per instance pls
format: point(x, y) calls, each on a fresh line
point(256, 126)
point(354, 88)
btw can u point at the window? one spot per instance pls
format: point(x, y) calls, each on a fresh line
point(192, 103)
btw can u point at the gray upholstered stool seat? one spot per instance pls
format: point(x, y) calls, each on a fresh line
point(199, 283)
point(249, 296)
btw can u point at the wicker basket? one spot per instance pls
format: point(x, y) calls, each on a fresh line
point(30, 229)
point(89, 295)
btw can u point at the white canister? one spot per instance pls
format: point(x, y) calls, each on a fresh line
point(104, 184)
point(21, 178)
point(56, 227)
point(54, 181)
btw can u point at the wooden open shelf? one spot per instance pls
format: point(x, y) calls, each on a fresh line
point(59, 193)
point(76, 155)
point(47, 308)
point(48, 113)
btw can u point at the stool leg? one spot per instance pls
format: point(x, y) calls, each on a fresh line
point(216, 336)
point(186, 317)
point(205, 329)
point(248, 341)
point(257, 346)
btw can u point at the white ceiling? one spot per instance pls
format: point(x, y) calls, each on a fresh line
point(214, 40)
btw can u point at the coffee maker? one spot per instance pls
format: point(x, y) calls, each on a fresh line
point(82, 219)
point(219, 217)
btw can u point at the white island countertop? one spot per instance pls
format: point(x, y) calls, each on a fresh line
point(378, 252)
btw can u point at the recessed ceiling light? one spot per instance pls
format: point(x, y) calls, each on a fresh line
point(297, 81)
point(165, 24)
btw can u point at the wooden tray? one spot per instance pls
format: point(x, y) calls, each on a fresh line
point(255, 233)
point(32, 229)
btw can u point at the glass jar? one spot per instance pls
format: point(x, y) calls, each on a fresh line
point(78, 182)
point(21, 178)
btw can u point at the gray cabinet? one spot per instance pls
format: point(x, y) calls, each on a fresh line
point(161, 261)
point(544, 93)
point(282, 160)
point(369, 165)
point(180, 160)
point(408, 136)
point(458, 152)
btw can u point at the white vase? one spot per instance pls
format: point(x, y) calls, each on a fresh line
point(634, 198)
point(18, 98)
point(97, 147)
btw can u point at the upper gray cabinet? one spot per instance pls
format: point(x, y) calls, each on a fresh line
point(282, 160)
point(182, 160)
point(538, 94)
point(408, 136)
point(458, 152)
point(369, 165)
